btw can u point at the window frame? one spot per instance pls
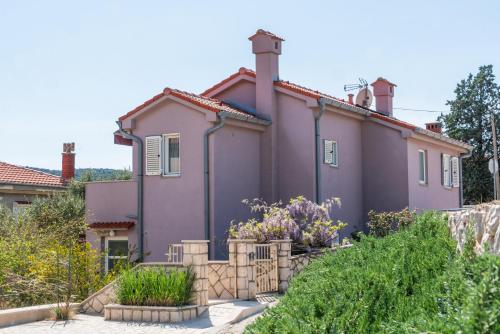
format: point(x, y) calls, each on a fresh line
point(106, 248)
point(166, 154)
point(425, 181)
point(448, 184)
point(335, 157)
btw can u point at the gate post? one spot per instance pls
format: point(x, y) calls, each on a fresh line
point(240, 252)
point(284, 255)
point(195, 254)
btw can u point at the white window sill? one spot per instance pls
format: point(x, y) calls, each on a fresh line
point(423, 183)
point(333, 166)
point(171, 175)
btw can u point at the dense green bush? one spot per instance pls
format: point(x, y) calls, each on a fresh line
point(155, 287)
point(412, 281)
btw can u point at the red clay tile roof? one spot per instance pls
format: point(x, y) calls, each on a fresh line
point(13, 174)
point(241, 71)
point(112, 225)
point(201, 101)
point(264, 32)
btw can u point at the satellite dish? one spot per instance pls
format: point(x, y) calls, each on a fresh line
point(364, 98)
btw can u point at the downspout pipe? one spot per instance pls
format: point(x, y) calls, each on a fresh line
point(140, 188)
point(317, 144)
point(460, 171)
point(206, 175)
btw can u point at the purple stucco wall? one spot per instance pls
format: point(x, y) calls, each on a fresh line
point(173, 206)
point(242, 92)
point(235, 176)
point(433, 195)
point(385, 168)
point(110, 201)
point(346, 180)
point(296, 149)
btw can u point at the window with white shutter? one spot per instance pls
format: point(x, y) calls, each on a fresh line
point(446, 170)
point(422, 166)
point(455, 172)
point(328, 151)
point(171, 154)
point(330, 155)
point(153, 155)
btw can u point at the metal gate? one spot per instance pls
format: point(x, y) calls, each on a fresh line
point(266, 267)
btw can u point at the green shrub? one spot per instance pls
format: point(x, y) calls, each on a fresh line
point(412, 281)
point(155, 287)
point(383, 223)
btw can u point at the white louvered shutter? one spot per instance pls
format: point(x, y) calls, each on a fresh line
point(335, 154)
point(153, 155)
point(446, 170)
point(328, 152)
point(455, 173)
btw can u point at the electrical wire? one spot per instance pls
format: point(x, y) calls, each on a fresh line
point(424, 110)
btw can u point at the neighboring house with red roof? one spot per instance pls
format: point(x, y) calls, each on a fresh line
point(254, 135)
point(20, 185)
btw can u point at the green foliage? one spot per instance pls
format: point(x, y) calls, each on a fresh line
point(155, 287)
point(477, 98)
point(62, 215)
point(383, 223)
point(42, 259)
point(412, 281)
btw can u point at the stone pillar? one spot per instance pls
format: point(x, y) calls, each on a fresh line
point(240, 253)
point(195, 254)
point(284, 261)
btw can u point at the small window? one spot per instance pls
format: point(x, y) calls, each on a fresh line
point(422, 167)
point(171, 149)
point(276, 45)
point(117, 250)
point(446, 170)
point(331, 156)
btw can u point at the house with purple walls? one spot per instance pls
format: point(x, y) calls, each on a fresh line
point(255, 135)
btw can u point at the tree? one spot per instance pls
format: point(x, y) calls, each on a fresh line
point(477, 98)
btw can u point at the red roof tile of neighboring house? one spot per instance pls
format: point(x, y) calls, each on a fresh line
point(112, 225)
point(201, 101)
point(13, 174)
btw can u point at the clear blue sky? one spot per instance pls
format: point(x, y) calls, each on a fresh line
point(68, 69)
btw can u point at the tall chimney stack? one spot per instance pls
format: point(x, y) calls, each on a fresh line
point(68, 162)
point(383, 90)
point(267, 48)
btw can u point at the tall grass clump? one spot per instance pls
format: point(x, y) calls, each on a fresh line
point(411, 281)
point(155, 287)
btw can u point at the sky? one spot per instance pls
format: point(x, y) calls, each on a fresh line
point(69, 69)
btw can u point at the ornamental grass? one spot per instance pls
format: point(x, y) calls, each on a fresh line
point(155, 287)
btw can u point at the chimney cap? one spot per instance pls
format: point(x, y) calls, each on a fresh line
point(68, 147)
point(384, 80)
point(266, 33)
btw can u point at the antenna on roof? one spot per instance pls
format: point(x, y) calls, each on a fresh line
point(362, 84)
point(364, 98)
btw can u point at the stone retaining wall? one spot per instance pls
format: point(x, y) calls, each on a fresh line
point(298, 262)
point(484, 219)
point(220, 280)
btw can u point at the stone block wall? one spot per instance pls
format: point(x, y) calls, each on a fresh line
point(299, 262)
point(484, 219)
point(220, 280)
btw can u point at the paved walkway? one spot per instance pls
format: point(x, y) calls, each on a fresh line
point(216, 318)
